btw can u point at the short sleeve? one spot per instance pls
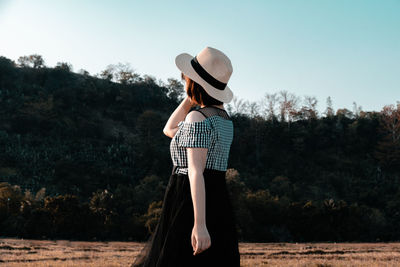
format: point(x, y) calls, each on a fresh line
point(194, 134)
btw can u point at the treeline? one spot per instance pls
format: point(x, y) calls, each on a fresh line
point(84, 157)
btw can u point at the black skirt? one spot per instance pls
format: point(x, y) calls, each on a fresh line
point(170, 245)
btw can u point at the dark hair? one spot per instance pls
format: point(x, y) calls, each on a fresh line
point(197, 93)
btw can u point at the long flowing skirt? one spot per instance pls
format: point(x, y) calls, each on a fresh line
point(170, 244)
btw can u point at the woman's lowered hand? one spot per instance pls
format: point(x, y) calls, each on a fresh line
point(200, 239)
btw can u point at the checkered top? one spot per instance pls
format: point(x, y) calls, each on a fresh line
point(215, 133)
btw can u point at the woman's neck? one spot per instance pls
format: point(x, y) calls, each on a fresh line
point(220, 106)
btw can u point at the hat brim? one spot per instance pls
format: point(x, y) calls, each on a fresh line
point(182, 61)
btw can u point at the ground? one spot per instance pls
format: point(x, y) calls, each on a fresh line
point(62, 253)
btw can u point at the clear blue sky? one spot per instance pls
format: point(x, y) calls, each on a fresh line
point(349, 50)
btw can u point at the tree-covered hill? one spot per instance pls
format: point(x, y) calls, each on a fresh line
point(75, 145)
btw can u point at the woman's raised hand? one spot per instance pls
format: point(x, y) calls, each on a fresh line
point(200, 239)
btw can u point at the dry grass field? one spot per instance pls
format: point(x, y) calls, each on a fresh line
point(62, 253)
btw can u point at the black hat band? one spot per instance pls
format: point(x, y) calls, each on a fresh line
point(206, 76)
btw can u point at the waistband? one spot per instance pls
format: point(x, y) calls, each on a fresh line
point(216, 172)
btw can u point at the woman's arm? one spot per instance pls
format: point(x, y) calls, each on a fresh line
point(171, 127)
point(196, 163)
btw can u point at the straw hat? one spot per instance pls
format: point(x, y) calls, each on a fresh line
point(211, 69)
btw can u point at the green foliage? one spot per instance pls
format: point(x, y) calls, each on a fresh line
point(153, 215)
point(92, 149)
point(10, 198)
point(65, 66)
point(175, 90)
point(35, 61)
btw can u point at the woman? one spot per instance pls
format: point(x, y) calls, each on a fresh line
point(197, 226)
